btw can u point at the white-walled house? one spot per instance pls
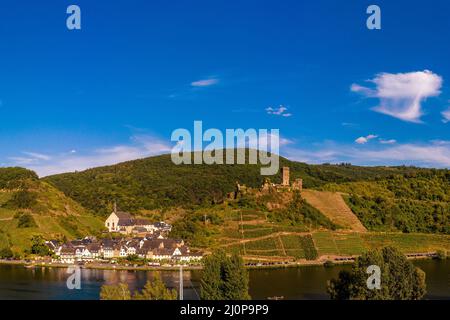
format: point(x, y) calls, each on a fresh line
point(131, 251)
point(123, 252)
point(67, 255)
point(108, 252)
point(117, 219)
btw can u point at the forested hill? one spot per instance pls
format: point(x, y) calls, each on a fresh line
point(156, 182)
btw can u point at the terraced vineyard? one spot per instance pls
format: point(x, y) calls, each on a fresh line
point(257, 239)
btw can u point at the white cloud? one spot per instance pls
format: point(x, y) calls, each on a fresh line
point(402, 94)
point(364, 140)
point(205, 82)
point(361, 140)
point(280, 111)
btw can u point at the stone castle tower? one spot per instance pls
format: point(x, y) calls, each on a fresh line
point(285, 172)
point(297, 185)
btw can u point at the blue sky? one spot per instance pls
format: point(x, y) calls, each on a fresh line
point(137, 70)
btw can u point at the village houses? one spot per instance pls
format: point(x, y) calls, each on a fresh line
point(149, 247)
point(140, 238)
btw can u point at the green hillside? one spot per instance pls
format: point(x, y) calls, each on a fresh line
point(389, 199)
point(155, 182)
point(414, 202)
point(29, 207)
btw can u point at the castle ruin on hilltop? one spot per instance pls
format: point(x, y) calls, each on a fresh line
point(268, 186)
point(286, 184)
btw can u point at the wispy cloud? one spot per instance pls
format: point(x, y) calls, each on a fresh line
point(22, 161)
point(446, 115)
point(349, 124)
point(38, 156)
point(29, 158)
point(205, 82)
point(280, 111)
point(140, 146)
point(401, 95)
point(434, 153)
point(390, 141)
point(364, 140)
point(431, 154)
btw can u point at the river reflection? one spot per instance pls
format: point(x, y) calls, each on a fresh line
point(17, 282)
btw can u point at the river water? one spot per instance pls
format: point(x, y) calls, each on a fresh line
point(18, 282)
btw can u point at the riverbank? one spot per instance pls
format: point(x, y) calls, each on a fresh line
point(102, 266)
point(17, 282)
point(325, 261)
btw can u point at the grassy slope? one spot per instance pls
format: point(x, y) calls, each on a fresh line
point(333, 206)
point(55, 216)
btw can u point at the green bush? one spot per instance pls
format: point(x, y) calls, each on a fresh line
point(441, 255)
point(26, 221)
point(6, 253)
point(23, 199)
point(328, 264)
point(307, 244)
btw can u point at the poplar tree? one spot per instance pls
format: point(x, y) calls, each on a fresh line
point(224, 278)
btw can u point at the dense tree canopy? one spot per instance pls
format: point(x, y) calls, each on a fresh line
point(12, 178)
point(414, 202)
point(224, 278)
point(39, 247)
point(400, 279)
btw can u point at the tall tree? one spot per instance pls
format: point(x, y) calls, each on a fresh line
point(399, 278)
point(156, 290)
point(235, 285)
point(224, 278)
